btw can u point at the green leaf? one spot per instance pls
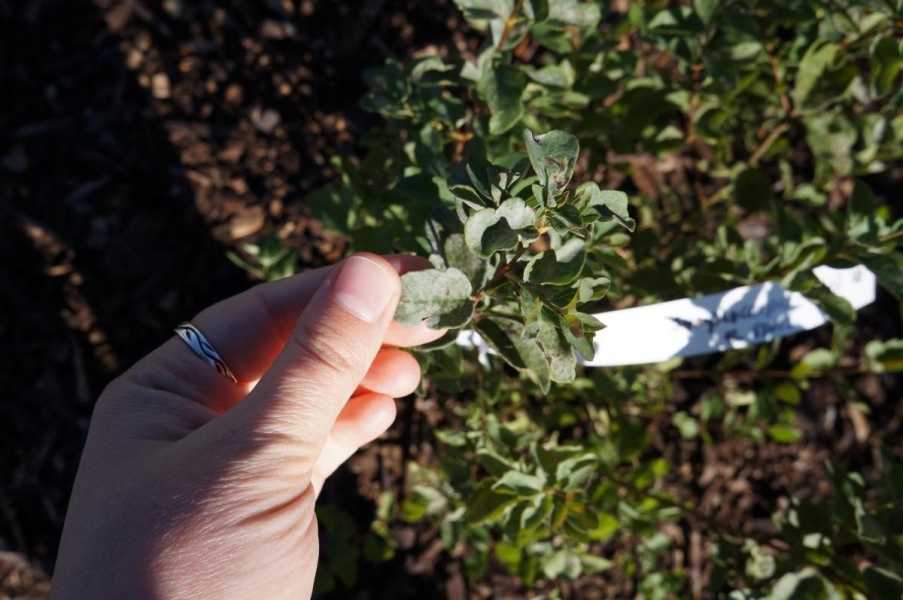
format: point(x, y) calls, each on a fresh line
point(882, 583)
point(824, 75)
point(888, 268)
point(557, 267)
point(607, 204)
point(862, 227)
point(884, 356)
point(493, 462)
point(887, 60)
point(553, 156)
point(574, 13)
point(867, 528)
point(501, 87)
point(561, 564)
point(458, 255)
point(783, 433)
point(806, 583)
point(488, 504)
point(493, 230)
point(442, 298)
point(592, 288)
point(555, 345)
point(504, 336)
point(537, 10)
point(705, 9)
point(522, 484)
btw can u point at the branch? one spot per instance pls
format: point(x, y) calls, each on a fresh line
point(512, 18)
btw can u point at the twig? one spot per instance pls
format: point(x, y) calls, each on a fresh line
point(499, 275)
point(767, 143)
point(512, 18)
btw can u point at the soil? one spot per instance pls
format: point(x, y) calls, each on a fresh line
point(141, 140)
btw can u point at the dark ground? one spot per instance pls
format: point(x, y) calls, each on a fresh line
point(140, 140)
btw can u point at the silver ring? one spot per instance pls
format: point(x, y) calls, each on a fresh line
point(202, 348)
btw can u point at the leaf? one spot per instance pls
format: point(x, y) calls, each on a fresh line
point(562, 362)
point(493, 462)
point(888, 268)
point(705, 9)
point(608, 204)
point(885, 356)
point(574, 13)
point(824, 75)
point(557, 267)
point(561, 563)
point(501, 87)
point(862, 227)
point(592, 288)
point(504, 336)
point(806, 583)
point(882, 583)
point(537, 10)
point(553, 156)
point(459, 256)
point(784, 434)
point(493, 230)
point(442, 298)
point(867, 528)
point(522, 484)
point(887, 60)
point(488, 504)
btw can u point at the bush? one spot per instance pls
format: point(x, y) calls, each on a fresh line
point(753, 131)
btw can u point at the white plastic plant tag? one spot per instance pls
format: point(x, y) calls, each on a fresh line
point(737, 318)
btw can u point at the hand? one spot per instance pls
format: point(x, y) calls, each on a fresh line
point(193, 487)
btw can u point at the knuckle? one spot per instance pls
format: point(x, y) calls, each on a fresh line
point(326, 347)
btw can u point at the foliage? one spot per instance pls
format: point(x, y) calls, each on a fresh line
point(754, 132)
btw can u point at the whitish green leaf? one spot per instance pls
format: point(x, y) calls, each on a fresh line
point(441, 298)
point(501, 87)
point(806, 583)
point(459, 256)
point(862, 227)
point(592, 288)
point(562, 361)
point(492, 230)
point(887, 60)
point(574, 13)
point(608, 204)
point(595, 564)
point(819, 359)
point(504, 336)
point(553, 156)
point(519, 483)
point(561, 564)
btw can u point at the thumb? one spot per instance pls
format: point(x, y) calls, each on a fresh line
point(291, 411)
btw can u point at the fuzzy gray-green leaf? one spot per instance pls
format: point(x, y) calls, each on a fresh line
point(553, 156)
point(441, 298)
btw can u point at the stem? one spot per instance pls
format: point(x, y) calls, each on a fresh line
point(890, 237)
point(512, 18)
point(500, 274)
point(768, 143)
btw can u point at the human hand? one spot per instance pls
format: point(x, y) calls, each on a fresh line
point(191, 486)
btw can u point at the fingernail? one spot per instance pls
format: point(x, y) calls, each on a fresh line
point(364, 288)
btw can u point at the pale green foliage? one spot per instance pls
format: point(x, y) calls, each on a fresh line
point(743, 125)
